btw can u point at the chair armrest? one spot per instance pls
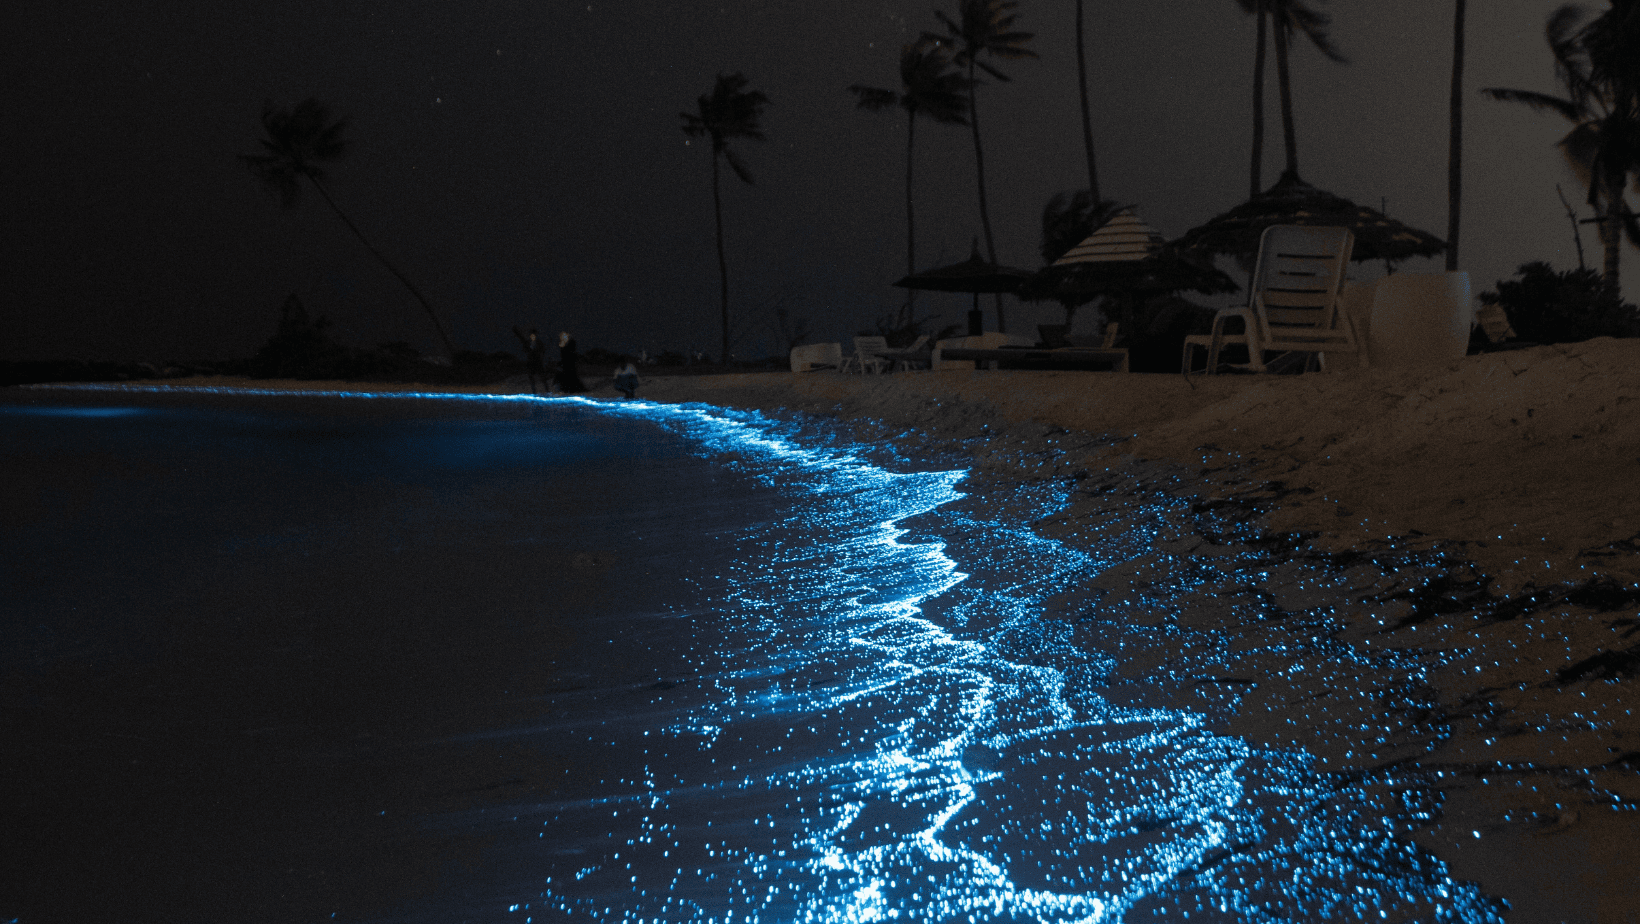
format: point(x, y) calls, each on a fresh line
point(1248, 319)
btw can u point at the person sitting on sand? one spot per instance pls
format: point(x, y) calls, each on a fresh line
point(569, 375)
point(535, 352)
point(626, 380)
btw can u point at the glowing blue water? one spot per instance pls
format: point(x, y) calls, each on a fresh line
point(882, 731)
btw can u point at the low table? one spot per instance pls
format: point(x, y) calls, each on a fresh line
point(1111, 358)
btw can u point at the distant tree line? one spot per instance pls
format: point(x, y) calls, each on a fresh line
point(1597, 62)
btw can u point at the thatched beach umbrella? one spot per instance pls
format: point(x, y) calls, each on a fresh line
point(1125, 258)
point(974, 275)
point(1291, 201)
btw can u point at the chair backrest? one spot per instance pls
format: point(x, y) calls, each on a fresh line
point(870, 346)
point(1298, 281)
point(817, 356)
point(919, 343)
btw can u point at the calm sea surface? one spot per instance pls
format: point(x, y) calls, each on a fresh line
point(364, 658)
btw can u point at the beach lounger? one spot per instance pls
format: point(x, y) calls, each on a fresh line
point(865, 357)
point(817, 356)
point(915, 356)
point(1295, 302)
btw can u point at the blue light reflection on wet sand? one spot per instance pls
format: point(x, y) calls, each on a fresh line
point(886, 738)
point(920, 773)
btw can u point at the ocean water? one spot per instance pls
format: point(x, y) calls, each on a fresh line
point(353, 657)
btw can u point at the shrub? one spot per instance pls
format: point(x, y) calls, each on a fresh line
point(1545, 306)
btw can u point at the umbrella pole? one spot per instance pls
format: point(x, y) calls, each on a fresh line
point(976, 320)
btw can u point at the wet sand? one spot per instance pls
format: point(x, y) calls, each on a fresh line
point(1469, 533)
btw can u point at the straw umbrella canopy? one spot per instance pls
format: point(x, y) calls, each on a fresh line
point(974, 275)
point(1291, 201)
point(1125, 256)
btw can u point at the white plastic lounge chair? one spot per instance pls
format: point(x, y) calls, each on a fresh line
point(817, 356)
point(914, 356)
point(865, 357)
point(1295, 300)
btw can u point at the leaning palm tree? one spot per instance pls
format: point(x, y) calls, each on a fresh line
point(983, 28)
point(1286, 17)
point(1604, 143)
point(298, 142)
point(929, 86)
point(730, 111)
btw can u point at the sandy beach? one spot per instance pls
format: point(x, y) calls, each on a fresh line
point(1421, 574)
point(1505, 477)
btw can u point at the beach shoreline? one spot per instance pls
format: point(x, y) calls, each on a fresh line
point(1467, 532)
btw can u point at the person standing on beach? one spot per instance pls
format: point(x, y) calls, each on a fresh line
point(535, 352)
point(626, 380)
point(569, 375)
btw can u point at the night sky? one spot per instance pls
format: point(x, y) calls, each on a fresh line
point(523, 161)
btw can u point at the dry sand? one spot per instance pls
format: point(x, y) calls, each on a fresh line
point(1469, 534)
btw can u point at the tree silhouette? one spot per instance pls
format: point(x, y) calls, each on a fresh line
point(297, 143)
point(983, 28)
point(1285, 18)
point(1604, 143)
point(928, 86)
point(729, 111)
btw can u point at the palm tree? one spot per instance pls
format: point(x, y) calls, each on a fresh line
point(297, 143)
point(927, 85)
point(730, 111)
point(1454, 154)
point(1286, 17)
point(1087, 120)
point(1256, 181)
point(1604, 143)
point(1612, 39)
point(983, 28)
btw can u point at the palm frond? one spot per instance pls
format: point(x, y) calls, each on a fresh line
point(1294, 16)
point(1564, 108)
point(992, 71)
point(296, 142)
point(873, 99)
point(738, 166)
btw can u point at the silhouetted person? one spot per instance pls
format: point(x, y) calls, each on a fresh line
point(535, 352)
point(626, 380)
point(569, 373)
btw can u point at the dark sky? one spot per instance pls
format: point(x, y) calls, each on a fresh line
point(522, 159)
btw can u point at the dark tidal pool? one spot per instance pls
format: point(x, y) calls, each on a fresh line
point(281, 657)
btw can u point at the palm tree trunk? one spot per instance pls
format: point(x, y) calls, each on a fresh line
point(1611, 240)
point(1087, 120)
point(449, 348)
point(1290, 136)
point(723, 263)
point(910, 219)
point(979, 166)
point(1256, 185)
point(1454, 156)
